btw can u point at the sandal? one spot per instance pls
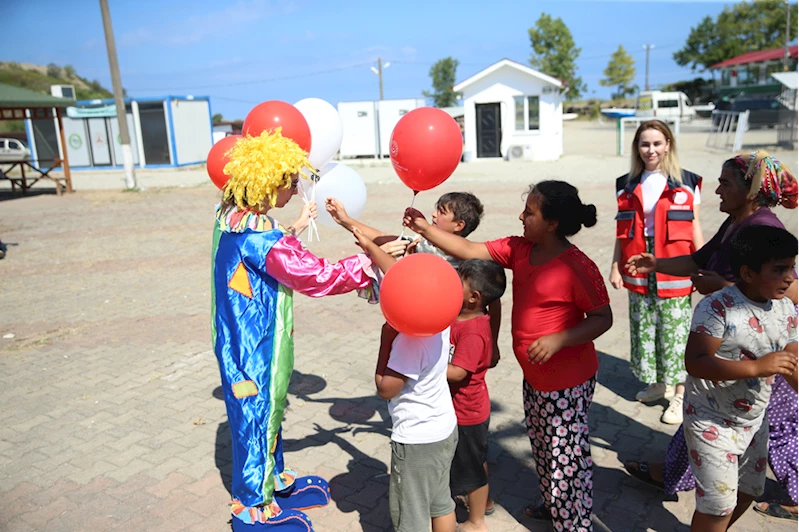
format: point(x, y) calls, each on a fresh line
point(463, 502)
point(642, 473)
point(775, 510)
point(537, 512)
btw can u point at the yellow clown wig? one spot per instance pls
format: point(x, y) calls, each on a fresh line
point(260, 166)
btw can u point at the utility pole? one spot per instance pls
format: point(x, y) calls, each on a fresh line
point(647, 47)
point(786, 58)
point(116, 82)
point(380, 75)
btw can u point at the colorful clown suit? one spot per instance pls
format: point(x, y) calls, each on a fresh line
point(256, 268)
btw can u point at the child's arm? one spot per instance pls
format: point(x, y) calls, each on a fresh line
point(701, 361)
point(456, 373)
point(451, 244)
point(340, 216)
point(387, 381)
point(495, 318)
point(595, 324)
point(383, 260)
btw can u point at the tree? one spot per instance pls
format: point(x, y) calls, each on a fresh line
point(740, 28)
point(69, 71)
point(54, 71)
point(697, 90)
point(555, 54)
point(443, 75)
point(620, 73)
point(217, 118)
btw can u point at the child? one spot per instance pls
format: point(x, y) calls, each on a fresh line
point(560, 305)
point(483, 282)
point(457, 213)
point(412, 375)
point(741, 336)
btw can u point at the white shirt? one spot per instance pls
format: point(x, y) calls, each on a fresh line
point(422, 412)
point(652, 186)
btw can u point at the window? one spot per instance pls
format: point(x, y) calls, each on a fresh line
point(67, 92)
point(519, 104)
point(725, 78)
point(2, 143)
point(532, 113)
point(662, 104)
point(14, 145)
point(771, 68)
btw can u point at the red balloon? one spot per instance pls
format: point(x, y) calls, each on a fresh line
point(215, 164)
point(426, 147)
point(421, 295)
point(274, 113)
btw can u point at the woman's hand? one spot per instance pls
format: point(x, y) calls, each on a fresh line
point(615, 277)
point(337, 211)
point(542, 349)
point(395, 248)
point(415, 221)
point(642, 264)
point(707, 282)
point(307, 214)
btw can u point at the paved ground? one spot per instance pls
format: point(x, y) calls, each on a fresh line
point(110, 412)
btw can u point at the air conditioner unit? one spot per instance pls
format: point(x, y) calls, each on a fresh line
point(63, 91)
point(518, 153)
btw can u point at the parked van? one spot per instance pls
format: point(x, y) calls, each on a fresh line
point(659, 104)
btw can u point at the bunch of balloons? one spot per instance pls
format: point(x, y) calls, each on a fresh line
point(316, 127)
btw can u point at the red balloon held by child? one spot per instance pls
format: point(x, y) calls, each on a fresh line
point(426, 147)
point(215, 164)
point(273, 114)
point(421, 295)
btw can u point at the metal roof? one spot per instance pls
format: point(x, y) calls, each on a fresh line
point(757, 57)
point(17, 97)
point(788, 79)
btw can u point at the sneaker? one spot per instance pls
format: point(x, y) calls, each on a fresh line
point(653, 392)
point(673, 414)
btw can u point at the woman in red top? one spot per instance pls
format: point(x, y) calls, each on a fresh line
point(560, 305)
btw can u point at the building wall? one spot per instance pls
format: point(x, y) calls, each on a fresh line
point(191, 129)
point(501, 86)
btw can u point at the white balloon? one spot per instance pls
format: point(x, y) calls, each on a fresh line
point(343, 183)
point(326, 129)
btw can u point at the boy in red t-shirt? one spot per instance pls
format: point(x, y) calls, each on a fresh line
point(471, 353)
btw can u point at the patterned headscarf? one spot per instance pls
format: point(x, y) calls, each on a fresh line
point(769, 176)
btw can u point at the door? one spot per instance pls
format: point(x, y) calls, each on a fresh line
point(154, 133)
point(489, 129)
point(98, 140)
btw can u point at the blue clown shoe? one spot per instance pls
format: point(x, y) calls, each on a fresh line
point(305, 493)
point(286, 521)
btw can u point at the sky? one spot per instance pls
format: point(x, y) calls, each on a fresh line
point(243, 52)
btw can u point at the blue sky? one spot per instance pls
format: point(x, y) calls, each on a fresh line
point(243, 52)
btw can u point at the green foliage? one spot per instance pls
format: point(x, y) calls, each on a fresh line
point(620, 73)
point(555, 54)
point(740, 28)
point(217, 118)
point(54, 71)
point(13, 74)
point(443, 76)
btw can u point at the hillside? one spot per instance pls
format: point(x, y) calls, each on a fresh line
point(39, 78)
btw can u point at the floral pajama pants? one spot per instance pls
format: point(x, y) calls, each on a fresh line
point(658, 333)
point(557, 424)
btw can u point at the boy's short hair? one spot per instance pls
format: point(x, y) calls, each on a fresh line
point(465, 207)
point(756, 245)
point(486, 277)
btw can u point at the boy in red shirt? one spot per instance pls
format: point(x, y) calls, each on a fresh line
point(470, 358)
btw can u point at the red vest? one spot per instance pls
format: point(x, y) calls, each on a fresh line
point(674, 232)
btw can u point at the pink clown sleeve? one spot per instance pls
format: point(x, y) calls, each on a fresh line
point(297, 268)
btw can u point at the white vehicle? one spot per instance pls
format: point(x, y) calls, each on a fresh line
point(13, 150)
point(659, 104)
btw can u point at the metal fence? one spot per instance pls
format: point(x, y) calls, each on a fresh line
point(727, 130)
point(787, 129)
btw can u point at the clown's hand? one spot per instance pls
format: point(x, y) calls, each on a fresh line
point(307, 214)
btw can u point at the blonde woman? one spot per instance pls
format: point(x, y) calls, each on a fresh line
point(657, 203)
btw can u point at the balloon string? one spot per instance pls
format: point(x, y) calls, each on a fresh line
point(402, 234)
point(313, 223)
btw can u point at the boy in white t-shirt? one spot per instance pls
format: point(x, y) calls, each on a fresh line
point(412, 374)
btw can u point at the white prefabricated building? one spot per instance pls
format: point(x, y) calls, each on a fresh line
point(165, 131)
point(368, 125)
point(512, 111)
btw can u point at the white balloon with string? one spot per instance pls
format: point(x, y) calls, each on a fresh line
point(326, 128)
point(339, 181)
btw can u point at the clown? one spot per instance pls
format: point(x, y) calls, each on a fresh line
point(257, 265)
